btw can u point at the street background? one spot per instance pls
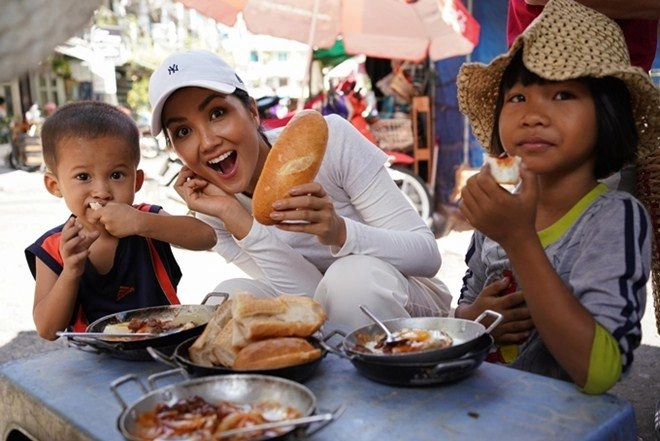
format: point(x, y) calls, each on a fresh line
point(27, 210)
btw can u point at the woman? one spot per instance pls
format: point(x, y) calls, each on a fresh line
point(356, 240)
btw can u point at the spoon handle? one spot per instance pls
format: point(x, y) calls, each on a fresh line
point(376, 320)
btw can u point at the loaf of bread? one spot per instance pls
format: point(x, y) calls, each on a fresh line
point(246, 319)
point(294, 159)
point(202, 350)
point(287, 315)
point(274, 353)
point(504, 168)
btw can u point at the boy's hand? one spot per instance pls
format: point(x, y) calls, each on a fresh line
point(74, 246)
point(516, 323)
point(118, 219)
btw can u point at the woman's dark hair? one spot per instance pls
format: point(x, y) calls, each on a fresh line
point(90, 120)
point(617, 137)
point(246, 100)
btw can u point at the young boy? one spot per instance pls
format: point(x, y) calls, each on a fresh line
point(109, 256)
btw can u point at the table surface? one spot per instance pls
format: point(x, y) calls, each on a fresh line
point(494, 401)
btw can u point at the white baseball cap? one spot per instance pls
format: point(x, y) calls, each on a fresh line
point(190, 68)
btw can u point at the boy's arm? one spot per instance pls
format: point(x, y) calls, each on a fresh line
point(121, 220)
point(55, 296)
point(54, 300)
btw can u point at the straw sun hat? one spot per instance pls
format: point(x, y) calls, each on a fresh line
point(566, 41)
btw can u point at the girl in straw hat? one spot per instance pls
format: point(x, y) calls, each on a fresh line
point(576, 254)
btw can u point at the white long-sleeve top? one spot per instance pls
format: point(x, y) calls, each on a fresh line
point(380, 222)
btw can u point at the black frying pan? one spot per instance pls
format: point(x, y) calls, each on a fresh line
point(136, 349)
point(180, 358)
point(423, 373)
point(464, 333)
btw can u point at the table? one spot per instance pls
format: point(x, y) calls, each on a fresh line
point(65, 395)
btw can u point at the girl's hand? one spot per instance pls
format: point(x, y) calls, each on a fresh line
point(310, 210)
point(500, 215)
point(74, 246)
point(516, 323)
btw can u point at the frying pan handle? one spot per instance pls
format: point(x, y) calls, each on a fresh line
point(451, 366)
point(498, 318)
point(159, 356)
point(114, 386)
point(153, 378)
point(324, 342)
point(82, 345)
point(211, 295)
point(320, 425)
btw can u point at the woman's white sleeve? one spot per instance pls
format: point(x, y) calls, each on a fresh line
point(392, 230)
point(269, 259)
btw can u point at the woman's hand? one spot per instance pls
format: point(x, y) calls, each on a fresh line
point(199, 194)
point(310, 210)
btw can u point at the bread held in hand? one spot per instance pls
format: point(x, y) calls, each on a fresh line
point(294, 159)
point(505, 169)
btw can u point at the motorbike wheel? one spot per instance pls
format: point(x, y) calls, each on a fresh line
point(414, 189)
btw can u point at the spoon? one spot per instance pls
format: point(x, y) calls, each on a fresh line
point(390, 338)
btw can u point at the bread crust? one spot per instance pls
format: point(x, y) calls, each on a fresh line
point(504, 168)
point(294, 159)
point(201, 351)
point(290, 316)
point(245, 319)
point(274, 353)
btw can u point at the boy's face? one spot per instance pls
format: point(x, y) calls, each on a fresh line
point(93, 170)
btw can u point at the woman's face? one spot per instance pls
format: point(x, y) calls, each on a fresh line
point(216, 136)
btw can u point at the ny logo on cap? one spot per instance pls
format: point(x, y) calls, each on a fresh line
point(172, 69)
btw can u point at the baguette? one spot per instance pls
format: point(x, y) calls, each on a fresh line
point(294, 159)
point(201, 351)
point(300, 317)
point(274, 353)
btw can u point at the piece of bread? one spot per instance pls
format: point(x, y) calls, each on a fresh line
point(288, 316)
point(201, 351)
point(223, 352)
point(294, 159)
point(505, 169)
point(274, 353)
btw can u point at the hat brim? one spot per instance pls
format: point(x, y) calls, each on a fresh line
point(478, 88)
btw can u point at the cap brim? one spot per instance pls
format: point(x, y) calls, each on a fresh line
point(157, 111)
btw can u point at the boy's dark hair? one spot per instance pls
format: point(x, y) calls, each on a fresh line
point(87, 119)
point(617, 138)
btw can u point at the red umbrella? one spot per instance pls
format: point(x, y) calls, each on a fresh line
point(396, 29)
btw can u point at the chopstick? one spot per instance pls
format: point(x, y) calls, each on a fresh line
point(277, 424)
point(97, 335)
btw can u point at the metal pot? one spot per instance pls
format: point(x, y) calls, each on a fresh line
point(464, 334)
point(422, 373)
point(136, 349)
point(181, 358)
point(240, 388)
